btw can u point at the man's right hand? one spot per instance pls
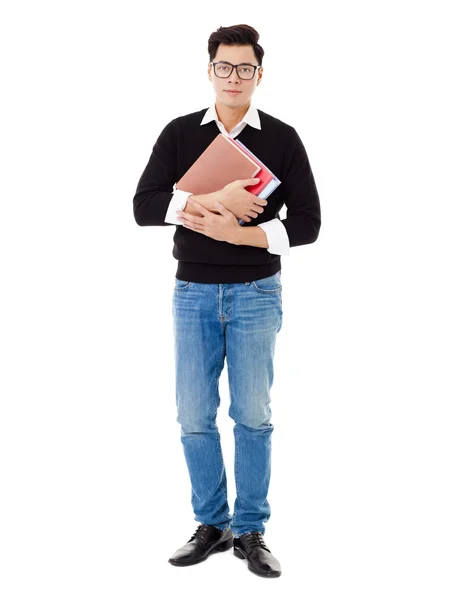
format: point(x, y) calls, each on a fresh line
point(243, 204)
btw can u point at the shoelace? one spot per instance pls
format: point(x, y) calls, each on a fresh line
point(199, 533)
point(255, 538)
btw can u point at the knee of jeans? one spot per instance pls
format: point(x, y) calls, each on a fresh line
point(196, 423)
point(254, 421)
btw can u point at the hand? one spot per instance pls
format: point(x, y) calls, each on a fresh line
point(222, 226)
point(243, 204)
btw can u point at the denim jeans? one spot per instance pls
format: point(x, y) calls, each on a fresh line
point(238, 321)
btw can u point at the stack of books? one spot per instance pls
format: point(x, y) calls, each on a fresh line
point(223, 161)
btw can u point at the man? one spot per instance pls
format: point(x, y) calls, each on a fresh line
point(227, 294)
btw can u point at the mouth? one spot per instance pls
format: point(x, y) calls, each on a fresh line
point(233, 91)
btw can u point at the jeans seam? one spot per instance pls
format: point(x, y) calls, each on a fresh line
point(215, 402)
point(237, 464)
point(217, 437)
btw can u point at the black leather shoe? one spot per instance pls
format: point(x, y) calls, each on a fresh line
point(206, 540)
point(260, 560)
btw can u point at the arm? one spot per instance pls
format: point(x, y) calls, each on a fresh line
point(155, 201)
point(179, 202)
point(303, 215)
point(155, 188)
point(303, 218)
point(275, 237)
point(251, 236)
point(206, 200)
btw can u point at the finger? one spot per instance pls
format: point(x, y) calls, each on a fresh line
point(189, 217)
point(194, 226)
point(256, 199)
point(223, 209)
point(199, 207)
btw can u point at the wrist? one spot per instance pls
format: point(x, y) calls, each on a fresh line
point(236, 237)
point(217, 197)
point(207, 200)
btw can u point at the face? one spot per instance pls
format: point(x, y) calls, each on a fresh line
point(246, 87)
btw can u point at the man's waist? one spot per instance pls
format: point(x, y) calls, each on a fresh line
point(211, 273)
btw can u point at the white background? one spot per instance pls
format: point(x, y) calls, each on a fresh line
point(372, 491)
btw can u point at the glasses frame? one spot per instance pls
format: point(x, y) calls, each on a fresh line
point(235, 67)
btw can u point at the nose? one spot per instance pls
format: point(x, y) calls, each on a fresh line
point(230, 76)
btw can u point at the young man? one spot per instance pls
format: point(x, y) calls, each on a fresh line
point(227, 295)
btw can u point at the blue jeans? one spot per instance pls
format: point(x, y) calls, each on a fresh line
point(239, 321)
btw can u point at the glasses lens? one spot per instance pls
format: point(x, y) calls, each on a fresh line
point(224, 70)
point(245, 71)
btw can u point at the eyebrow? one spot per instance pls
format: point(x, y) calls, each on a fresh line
point(243, 63)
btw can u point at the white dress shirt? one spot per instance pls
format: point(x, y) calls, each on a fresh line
point(276, 233)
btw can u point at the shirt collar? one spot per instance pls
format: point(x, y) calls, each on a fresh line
point(251, 117)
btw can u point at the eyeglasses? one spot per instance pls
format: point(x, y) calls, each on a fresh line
point(244, 70)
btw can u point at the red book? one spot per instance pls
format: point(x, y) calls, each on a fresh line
point(264, 173)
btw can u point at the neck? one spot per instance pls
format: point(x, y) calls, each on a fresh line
point(230, 116)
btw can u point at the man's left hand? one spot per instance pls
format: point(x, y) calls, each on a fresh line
point(223, 227)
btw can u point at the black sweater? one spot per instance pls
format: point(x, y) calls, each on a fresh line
point(201, 258)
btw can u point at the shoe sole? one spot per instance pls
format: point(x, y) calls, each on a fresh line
point(237, 552)
point(220, 548)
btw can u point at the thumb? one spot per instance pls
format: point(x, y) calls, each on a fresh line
point(252, 181)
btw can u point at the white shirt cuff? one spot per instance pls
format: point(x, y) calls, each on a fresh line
point(177, 202)
point(278, 240)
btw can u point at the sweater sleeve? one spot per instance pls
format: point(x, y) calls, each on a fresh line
point(155, 188)
point(303, 216)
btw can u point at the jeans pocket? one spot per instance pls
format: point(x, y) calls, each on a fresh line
point(271, 284)
point(180, 284)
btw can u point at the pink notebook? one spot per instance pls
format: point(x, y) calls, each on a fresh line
point(219, 164)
